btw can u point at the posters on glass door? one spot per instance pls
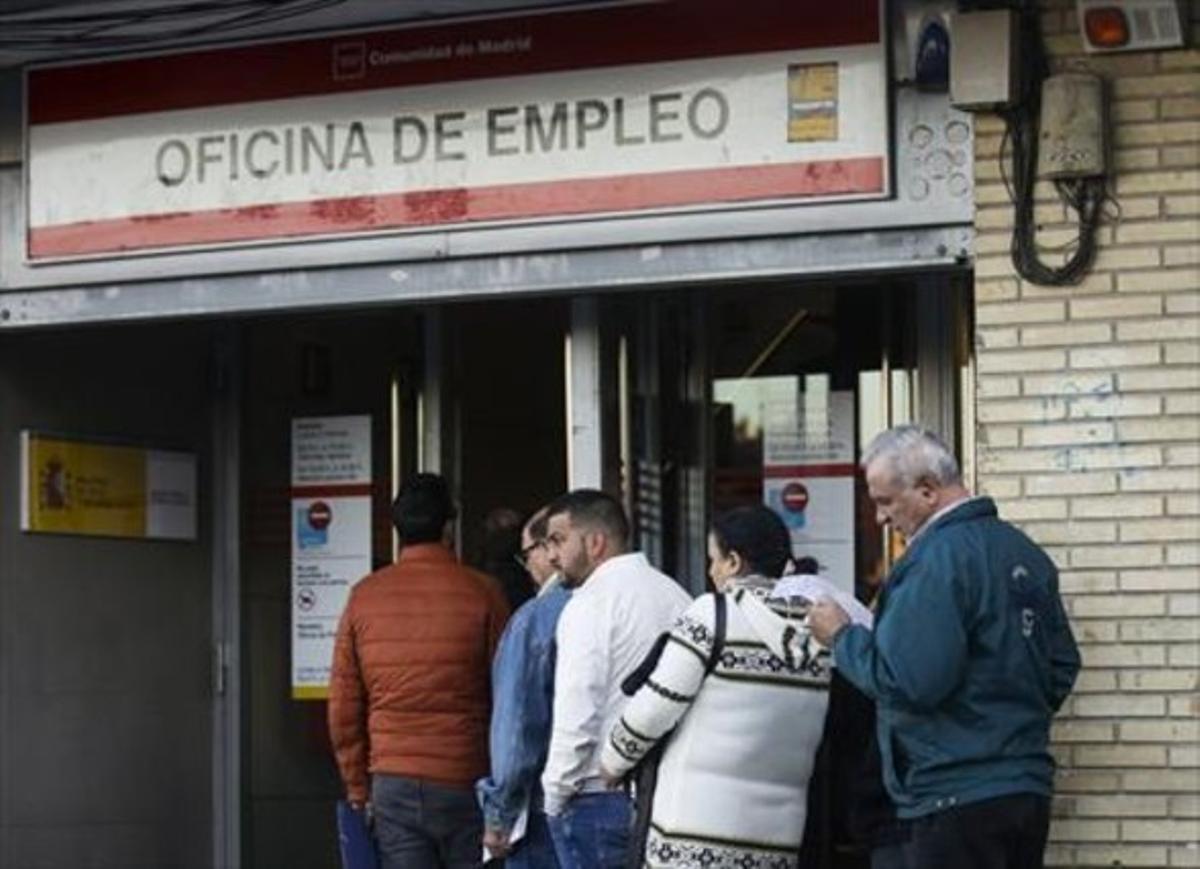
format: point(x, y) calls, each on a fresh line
point(331, 537)
point(808, 476)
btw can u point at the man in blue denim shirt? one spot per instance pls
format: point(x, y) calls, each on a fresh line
point(523, 688)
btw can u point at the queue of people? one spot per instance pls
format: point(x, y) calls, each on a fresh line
point(632, 726)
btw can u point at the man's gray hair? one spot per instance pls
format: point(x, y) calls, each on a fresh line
point(914, 454)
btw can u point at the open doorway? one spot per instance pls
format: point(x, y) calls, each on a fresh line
point(509, 412)
point(503, 425)
point(298, 367)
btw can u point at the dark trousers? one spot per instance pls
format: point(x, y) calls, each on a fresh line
point(423, 826)
point(889, 856)
point(1002, 833)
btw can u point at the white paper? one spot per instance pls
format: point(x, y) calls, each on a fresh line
point(815, 588)
point(520, 825)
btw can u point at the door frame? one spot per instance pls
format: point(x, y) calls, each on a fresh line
point(226, 685)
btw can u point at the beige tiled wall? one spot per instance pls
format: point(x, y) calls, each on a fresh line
point(1088, 407)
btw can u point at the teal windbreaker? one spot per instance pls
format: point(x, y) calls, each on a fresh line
point(971, 656)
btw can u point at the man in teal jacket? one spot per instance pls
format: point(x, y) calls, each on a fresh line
point(971, 656)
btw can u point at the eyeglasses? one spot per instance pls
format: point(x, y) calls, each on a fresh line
point(522, 557)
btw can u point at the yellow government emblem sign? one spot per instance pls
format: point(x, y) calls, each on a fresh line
point(80, 487)
point(85, 488)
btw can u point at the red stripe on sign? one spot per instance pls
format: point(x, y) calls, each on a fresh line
point(342, 490)
point(447, 207)
point(830, 470)
point(652, 33)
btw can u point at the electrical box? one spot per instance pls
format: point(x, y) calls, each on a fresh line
point(983, 59)
point(1131, 25)
point(1073, 141)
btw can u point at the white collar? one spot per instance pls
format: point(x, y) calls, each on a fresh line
point(553, 582)
point(928, 523)
point(609, 566)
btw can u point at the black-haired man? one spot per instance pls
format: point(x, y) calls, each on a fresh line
point(619, 606)
point(410, 691)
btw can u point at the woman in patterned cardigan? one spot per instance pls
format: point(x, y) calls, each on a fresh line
point(733, 781)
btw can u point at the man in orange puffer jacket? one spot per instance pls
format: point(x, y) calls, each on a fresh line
point(410, 691)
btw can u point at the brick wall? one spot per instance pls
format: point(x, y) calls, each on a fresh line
point(1088, 408)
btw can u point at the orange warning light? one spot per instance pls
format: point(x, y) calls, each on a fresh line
point(1106, 27)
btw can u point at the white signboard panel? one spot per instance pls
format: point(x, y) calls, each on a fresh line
point(808, 477)
point(331, 537)
point(814, 508)
point(170, 495)
point(689, 104)
point(331, 450)
point(808, 428)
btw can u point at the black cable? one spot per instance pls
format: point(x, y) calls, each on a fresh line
point(46, 17)
point(267, 16)
point(50, 31)
point(1085, 196)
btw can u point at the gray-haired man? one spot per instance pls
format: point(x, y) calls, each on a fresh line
point(970, 658)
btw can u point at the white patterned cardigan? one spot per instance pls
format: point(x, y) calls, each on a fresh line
point(733, 782)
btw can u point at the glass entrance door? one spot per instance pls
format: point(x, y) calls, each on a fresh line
point(767, 393)
point(504, 390)
point(802, 378)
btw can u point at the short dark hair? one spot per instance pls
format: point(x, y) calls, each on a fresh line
point(422, 508)
point(758, 535)
point(501, 535)
point(807, 564)
point(593, 509)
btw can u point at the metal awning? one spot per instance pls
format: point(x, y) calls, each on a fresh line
point(651, 266)
point(51, 30)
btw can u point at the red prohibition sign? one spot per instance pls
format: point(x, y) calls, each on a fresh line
point(320, 515)
point(794, 497)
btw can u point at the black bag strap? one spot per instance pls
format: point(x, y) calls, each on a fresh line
point(645, 773)
point(718, 646)
point(638, 676)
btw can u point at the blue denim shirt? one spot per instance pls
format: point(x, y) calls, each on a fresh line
point(523, 692)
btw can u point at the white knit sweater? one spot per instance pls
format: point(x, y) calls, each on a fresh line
point(732, 786)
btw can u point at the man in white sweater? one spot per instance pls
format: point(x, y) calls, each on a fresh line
point(619, 606)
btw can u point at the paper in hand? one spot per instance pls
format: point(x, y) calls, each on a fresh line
point(814, 588)
point(520, 825)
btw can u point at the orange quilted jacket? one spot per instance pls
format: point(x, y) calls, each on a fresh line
point(410, 692)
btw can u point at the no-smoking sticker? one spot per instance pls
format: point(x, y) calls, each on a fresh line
point(320, 515)
point(306, 599)
point(794, 497)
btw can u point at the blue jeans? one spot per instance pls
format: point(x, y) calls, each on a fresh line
point(593, 831)
point(536, 848)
